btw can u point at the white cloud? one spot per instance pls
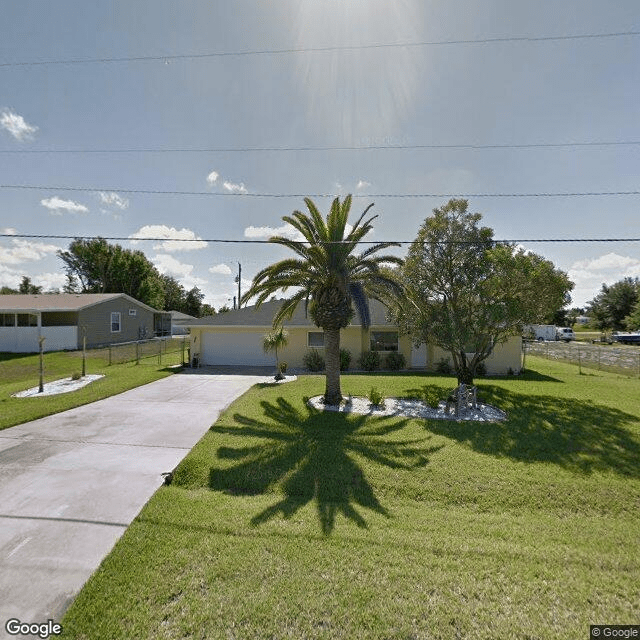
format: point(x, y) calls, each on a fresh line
point(50, 281)
point(222, 269)
point(25, 251)
point(362, 184)
point(177, 239)
point(285, 230)
point(212, 178)
point(114, 200)
point(9, 231)
point(234, 188)
point(589, 275)
point(168, 265)
point(16, 125)
point(57, 206)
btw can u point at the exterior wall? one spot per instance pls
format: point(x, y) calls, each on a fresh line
point(97, 320)
point(504, 357)
point(25, 339)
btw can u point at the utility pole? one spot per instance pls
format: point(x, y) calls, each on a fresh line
point(238, 280)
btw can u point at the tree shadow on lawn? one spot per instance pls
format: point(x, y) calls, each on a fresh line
point(578, 435)
point(307, 453)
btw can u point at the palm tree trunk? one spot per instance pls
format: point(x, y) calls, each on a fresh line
point(332, 394)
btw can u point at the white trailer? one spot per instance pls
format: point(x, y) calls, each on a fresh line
point(541, 332)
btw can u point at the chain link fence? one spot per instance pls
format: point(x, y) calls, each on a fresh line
point(167, 351)
point(622, 359)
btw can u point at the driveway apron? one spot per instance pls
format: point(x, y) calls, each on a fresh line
point(71, 483)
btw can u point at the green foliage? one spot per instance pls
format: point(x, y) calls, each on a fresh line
point(329, 275)
point(466, 294)
point(376, 398)
point(76, 375)
point(345, 359)
point(394, 361)
point(443, 366)
point(282, 367)
point(614, 304)
point(313, 360)
point(481, 369)
point(370, 360)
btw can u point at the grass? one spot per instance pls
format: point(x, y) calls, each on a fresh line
point(19, 372)
point(284, 522)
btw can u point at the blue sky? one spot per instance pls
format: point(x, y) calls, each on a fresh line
point(520, 92)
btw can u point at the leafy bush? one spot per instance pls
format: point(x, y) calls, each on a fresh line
point(395, 361)
point(283, 367)
point(376, 398)
point(76, 376)
point(432, 394)
point(443, 366)
point(481, 369)
point(345, 359)
point(313, 360)
point(370, 360)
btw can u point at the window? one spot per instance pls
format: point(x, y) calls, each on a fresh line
point(7, 319)
point(384, 341)
point(115, 322)
point(315, 339)
point(133, 312)
point(27, 320)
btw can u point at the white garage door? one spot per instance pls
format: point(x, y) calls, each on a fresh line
point(241, 348)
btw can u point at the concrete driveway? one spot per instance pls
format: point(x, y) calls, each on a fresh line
point(71, 483)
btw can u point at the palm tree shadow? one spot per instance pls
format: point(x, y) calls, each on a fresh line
point(308, 455)
point(580, 436)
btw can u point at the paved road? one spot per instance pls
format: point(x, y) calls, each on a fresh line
point(71, 483)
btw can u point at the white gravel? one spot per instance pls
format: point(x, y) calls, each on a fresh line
point(65, 385)
point(410, 408)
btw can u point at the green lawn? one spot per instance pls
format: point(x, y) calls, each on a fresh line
point(19, 372)
point(288, 523)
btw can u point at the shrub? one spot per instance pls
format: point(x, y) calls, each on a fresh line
point(313, 360)
point(395, 361)
point(376, 398)
point(283, 367)
point(432, 394)
point(443, 366)
point(76, 376)
point(370, 360)
point(481, 369)
point(345, 359)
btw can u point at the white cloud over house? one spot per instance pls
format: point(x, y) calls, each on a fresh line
point(590, 274)
point(21, 251)
point(58, 206)
point(221, 269)
point(113, 199)
point(233, 187)
point(212, 178)
point(176, 239)
point(168, 265)
point(286, 230)
point(16, 125)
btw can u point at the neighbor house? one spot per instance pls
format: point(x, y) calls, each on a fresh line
point(63, 319)
point(236, 338)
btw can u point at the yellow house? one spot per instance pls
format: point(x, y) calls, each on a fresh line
point(235, 338)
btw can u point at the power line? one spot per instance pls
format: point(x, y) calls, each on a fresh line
point(525, 145)
point(556, 194)
point(255, 241)
point(262, 52)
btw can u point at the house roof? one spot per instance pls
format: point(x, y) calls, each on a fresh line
point(58, 301)
point(178, 316)
point(263, 317)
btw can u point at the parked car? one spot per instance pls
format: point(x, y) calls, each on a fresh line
point(565, 333)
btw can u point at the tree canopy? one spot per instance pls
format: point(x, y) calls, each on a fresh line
point(611, 307)
point(466, 293)
point(329, 275)
point(95, 266)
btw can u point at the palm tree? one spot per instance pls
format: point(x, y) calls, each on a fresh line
point(272, 342)
point(329, 277)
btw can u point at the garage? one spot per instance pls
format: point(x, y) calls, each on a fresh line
point(234, 349)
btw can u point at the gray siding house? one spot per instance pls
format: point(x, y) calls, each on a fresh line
point(64, 318)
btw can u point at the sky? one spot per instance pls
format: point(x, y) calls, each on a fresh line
point(188, 121)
